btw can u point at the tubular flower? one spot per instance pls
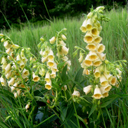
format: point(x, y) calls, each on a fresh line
point(47, 77)
point(100, 48)
point(83, 27)
point(48, 85)
point(3, 81)
point(87, 89)
point(97, 93)
point(11, 82)
point(3, 61)
point(7, 68)
point(91, 47)
point(36, 78)
point(50, 63)
point(97, 40)
point(113, 80)
point(87, 61)
point(89, 24)
point(7, 45)
point(52, 40)
point(94, 31)
point(92, 56)
point(86, 71)
point(50, 55)
point(88, 38)
point(97, 62)
point(64, 50)
point(76, 93)
point(103, 81)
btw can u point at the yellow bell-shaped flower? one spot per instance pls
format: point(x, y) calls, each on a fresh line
point(47, 77)
point(97, 39)
point(48, 85)
point(87, 89)
point(83, 27)
point(97, 62)
point(36, 78)
point(94, 31)
point(97, 93)
point(91, 47)
point(103, 80)
point(88, 38)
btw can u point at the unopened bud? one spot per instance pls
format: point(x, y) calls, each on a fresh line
point(90, 15)
point(42, 39)
point(100, 8)
point(2, 40)
point(106, 61)
point(63, 37)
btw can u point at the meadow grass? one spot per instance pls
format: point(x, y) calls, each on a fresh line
point(114, 33)
point(115, 39)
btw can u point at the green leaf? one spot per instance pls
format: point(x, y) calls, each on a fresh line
point(2, 125)
point(7, 118)
point(60, 65)
point(109, 101)
point(38, 98)
point(63, 109)
point(64, 75)
point(82, 120)
point(79, 75)
point(44, 121)
point(84, 102)
point(92, 110)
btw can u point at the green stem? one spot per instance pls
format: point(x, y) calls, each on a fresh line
point(76, 116)
point(44, 120)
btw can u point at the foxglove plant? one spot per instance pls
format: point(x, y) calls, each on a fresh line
point(103, 74)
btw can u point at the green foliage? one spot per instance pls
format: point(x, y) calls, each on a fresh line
point(38, 10)
point(69, 112)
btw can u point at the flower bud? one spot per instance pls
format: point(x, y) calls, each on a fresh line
point(7, 45)
point(15, 46)
point(8, 68)
point(52, 40)
point(63, 37)
point(90, 14)
point(3, 61)
point(2, 40)
point(3, 81)
point(11, 82)
point(76, 93)
point(42, 71)
point(64, 50)
point(42, 39)
point(87, 89)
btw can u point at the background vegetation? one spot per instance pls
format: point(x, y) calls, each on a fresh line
point(40, 10)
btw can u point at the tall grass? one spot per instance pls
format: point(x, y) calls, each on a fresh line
point(115, 39)
point(114, 33)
